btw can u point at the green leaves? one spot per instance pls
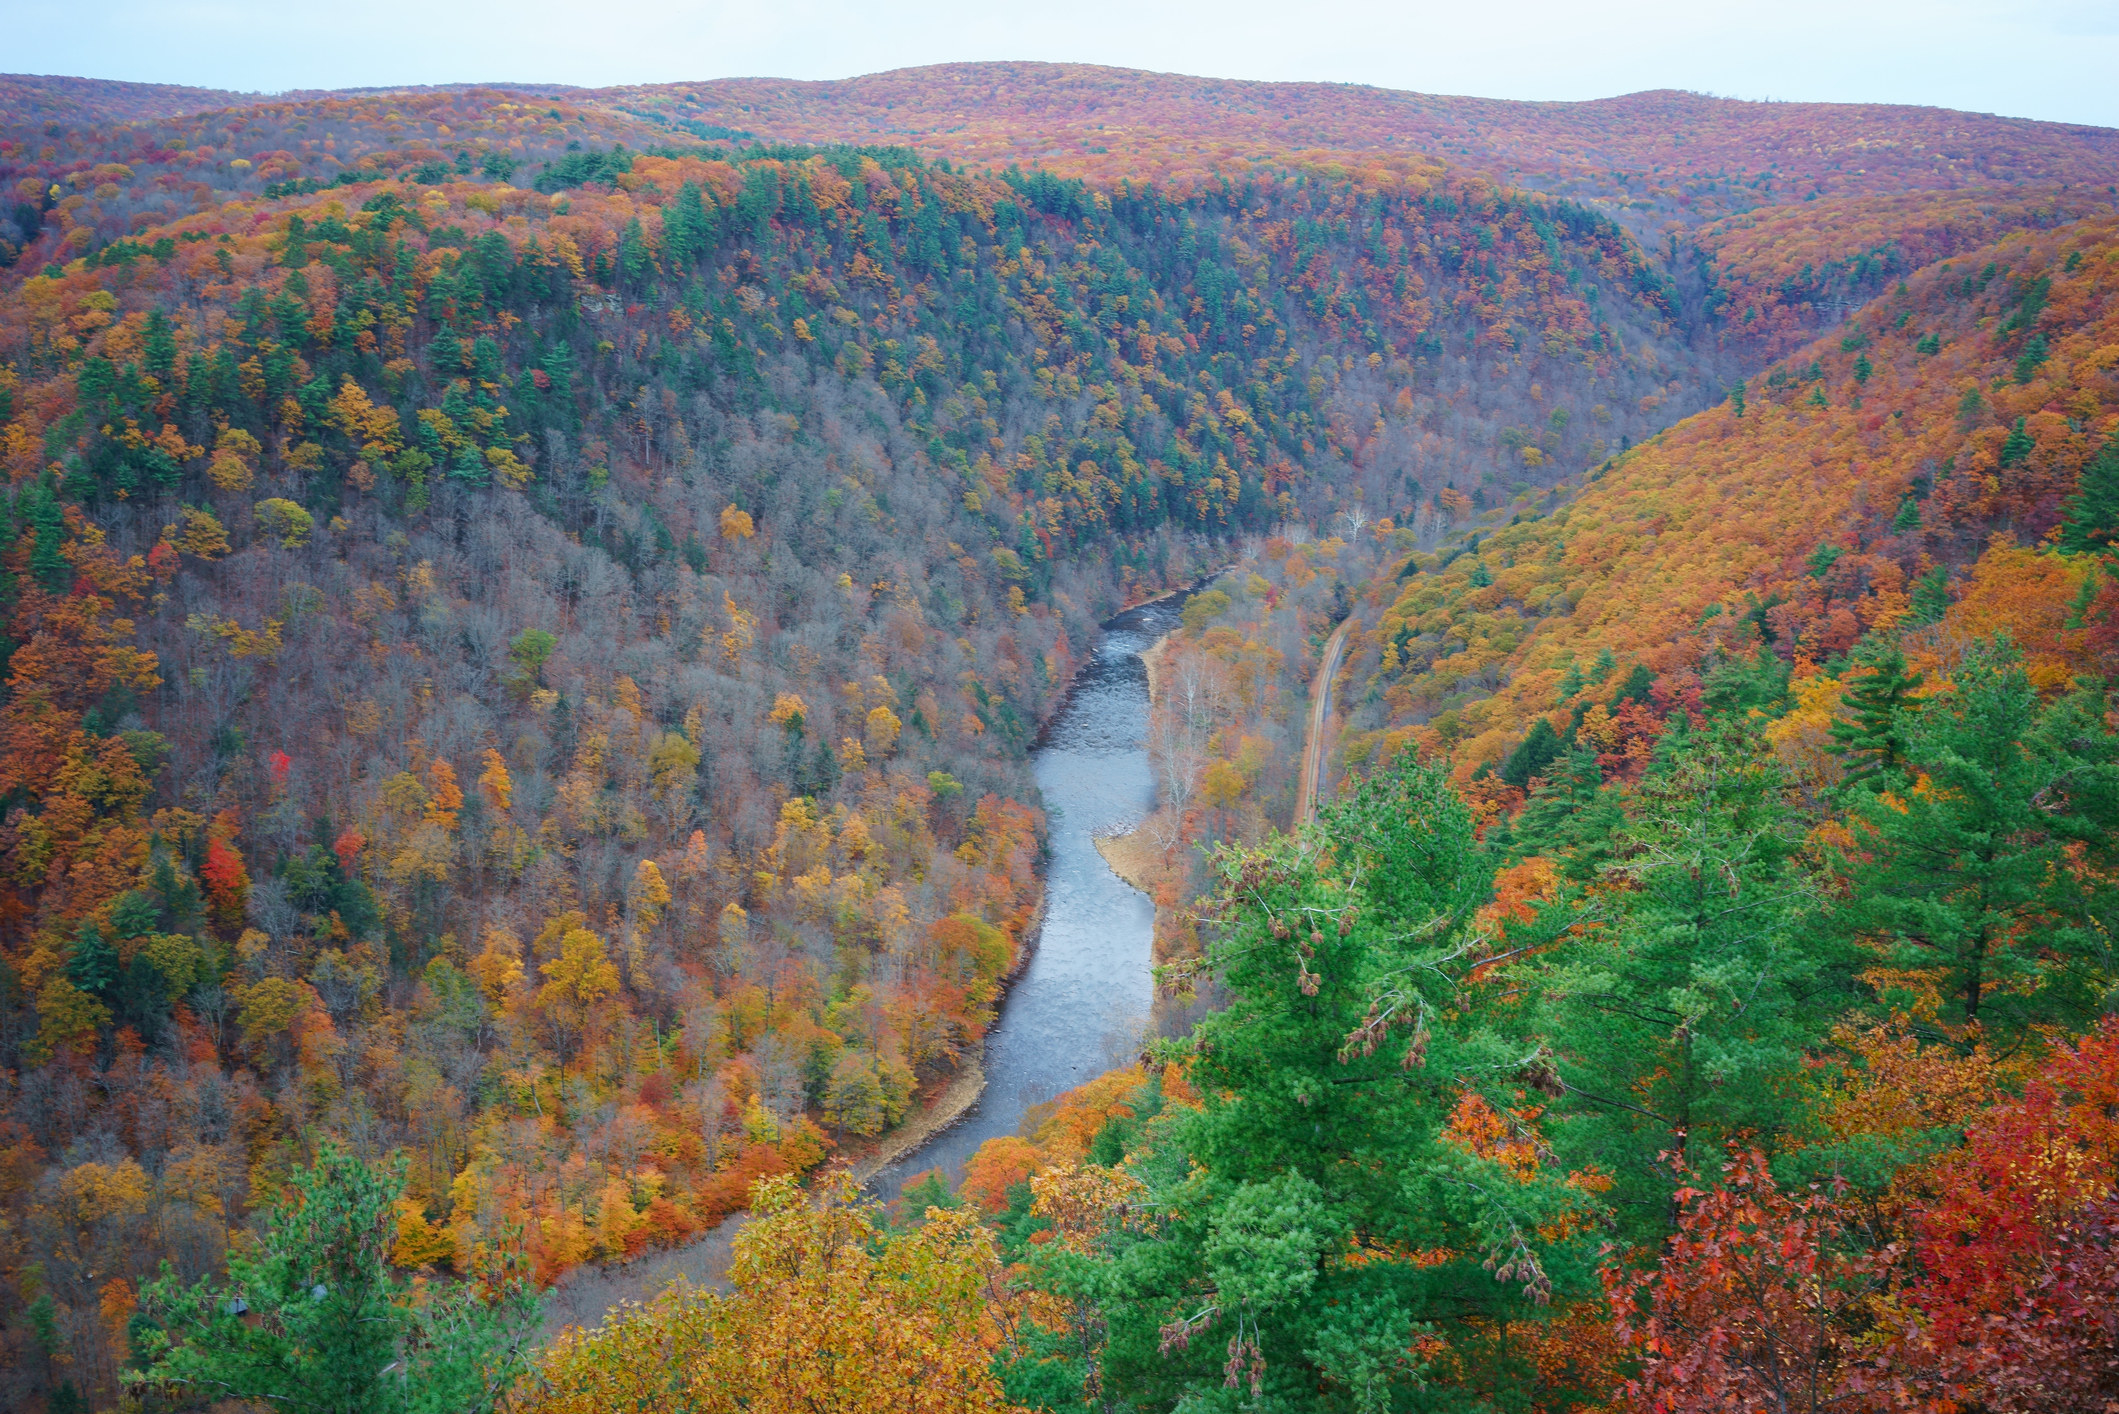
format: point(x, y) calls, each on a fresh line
point(312, 1318)
point(1264, 1242)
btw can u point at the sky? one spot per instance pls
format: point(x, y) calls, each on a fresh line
point(2047, 59)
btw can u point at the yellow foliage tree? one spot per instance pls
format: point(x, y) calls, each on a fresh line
point(581, 976)
point(828, 1313)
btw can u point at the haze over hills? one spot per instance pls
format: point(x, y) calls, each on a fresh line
point(528, 609)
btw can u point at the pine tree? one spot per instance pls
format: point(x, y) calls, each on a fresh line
point(1638, 687)
point(1540, 747)
point(2092, 524)
point(1682, 1019)
point(313, 1318)
point(1967, 880)
point(1871, 739)
point(92, 963)
point(1931, 596)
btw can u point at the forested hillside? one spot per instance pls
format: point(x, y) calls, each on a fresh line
point(527, 611)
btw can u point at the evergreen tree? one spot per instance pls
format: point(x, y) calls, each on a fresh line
point(1638, 687)
point(1571, 817)
point(313, 1318)
point(92, 963)
point(1540, 747)
point(1931, 596)
point(1966, 884)
point(1870, 740)
point(1329, 1081)
point(2092, 524)
point(1684, 1016)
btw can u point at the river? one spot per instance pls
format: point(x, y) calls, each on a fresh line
point(1082, 1004)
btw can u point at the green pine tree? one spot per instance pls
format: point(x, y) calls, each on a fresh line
point(1870, 739)
point(92, 963)
point(1329, 1080)
point(1686, 1018)
point(1638, 687)
point(2092, 524)
point(1540, 747)
point(1967, 881)
point(1571, 817)
point(1931, 596)
point(312, 1317)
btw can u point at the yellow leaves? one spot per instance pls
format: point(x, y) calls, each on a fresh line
point(853, 758)
point(242, 642)
point(234, 464)
point(742, 631)
point(269, 1007)
point(650, 894)
point(1222, 784)
point(788, 708)
point(581, 975)
point(419, 1243)
point(496, 783)
point(1895, 1083)
point(68, 1019)
point(1084, 1203)
point(509, 470)
point(93, 1193)
point(375, 429)
point(736, 525)
point(198, 534)
point(285, 521)
point(1802, 738)
point(881, 731)
point(498, 967)
point(444, 798)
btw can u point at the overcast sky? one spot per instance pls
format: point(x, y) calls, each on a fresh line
point(2053, 59)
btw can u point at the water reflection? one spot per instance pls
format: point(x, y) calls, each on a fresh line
point(1082, 1005)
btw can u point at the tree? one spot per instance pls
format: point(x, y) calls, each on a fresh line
point(1964, 885)
point(1328, 1085)
point(1756, 1303)
point(92, 963)
point(1540, 747)
point(2092, 523)
point(1872, 743)
point(1682, 999)
point(830, 1311)
point(580, 977)
point(311, 1318)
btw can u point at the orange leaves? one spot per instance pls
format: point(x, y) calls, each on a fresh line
point(997, 1166)
point(1506, 1139)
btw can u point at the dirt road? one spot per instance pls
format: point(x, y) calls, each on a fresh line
point(1315, 751)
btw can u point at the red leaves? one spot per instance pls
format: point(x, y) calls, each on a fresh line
point(2007, 1298)
point(1755, 1305)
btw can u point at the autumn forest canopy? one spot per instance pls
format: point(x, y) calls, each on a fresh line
point(525, 612)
